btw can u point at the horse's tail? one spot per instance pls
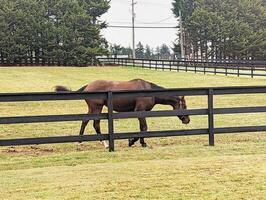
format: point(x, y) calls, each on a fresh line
point(81, 89)
point(60, 88)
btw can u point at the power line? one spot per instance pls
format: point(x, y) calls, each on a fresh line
point(156, 22)
point(127, 22)
point(153, 3)
point(157, 27)
point(147, 3)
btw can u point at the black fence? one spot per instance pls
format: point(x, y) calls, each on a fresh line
point(45, 61)
point(226, 67)
point(210, 111)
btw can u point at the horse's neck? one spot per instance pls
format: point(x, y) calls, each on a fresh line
point(166, 101)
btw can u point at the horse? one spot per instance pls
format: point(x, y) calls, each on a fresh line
point(124, 104)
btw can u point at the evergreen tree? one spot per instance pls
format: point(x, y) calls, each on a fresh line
point(223, 28)
point(148, 52)
point(140, 51)
point(164, 52)
point(127, 51)
point(177, 49)
point(57, 31)
point(116, 50)
point(157, 52)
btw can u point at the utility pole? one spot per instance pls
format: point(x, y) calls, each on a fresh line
point(181, 35)
point(133, 28)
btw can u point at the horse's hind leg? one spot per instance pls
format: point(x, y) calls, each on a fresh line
point(143, 127)
point(132, 141)
point(83, 126)
point(96, 125)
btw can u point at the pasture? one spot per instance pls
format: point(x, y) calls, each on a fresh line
point(170, 168)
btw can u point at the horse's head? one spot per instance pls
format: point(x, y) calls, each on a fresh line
point(181, 105)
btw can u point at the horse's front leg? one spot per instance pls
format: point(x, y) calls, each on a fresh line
point(142, 124)
point(143, 127)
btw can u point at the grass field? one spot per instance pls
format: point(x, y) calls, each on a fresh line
point(170, 168)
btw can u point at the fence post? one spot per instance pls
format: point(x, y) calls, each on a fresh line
point(170, 65)
point(133, 62)
point(252, 71)
point(150, 63)
point(110, 122)
point(238, 71)
point(210, 117)
point(142, 63)
point(156, 65)
point(163, 65)
point(226, 70)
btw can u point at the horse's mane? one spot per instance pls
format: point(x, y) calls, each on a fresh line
point(153, 85)
point(156, 87)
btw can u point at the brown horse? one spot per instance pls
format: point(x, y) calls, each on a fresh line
point(127, 104)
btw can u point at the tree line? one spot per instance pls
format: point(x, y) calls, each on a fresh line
point(67, 32)
point(144, 51)
point(64, 32)
point(223, 29)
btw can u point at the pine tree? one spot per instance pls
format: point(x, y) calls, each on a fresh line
point(164, 52)
point(55, 31)
point(148, 52)
point(222, 28)
point(140, 51)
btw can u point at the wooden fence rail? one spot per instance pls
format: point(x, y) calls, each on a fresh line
point(226, 67)
point(210, 111)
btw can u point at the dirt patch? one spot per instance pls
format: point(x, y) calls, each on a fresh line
point(29, 150)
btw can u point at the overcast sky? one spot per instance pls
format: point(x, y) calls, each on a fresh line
point(148, 13)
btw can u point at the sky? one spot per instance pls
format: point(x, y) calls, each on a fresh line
point(148, 13)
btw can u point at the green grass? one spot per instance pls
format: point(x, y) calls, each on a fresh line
point(170, 168)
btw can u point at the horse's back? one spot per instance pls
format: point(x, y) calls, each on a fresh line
point(122, 104)
point(105, 85)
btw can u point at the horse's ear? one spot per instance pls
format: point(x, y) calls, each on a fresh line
point(183, 98)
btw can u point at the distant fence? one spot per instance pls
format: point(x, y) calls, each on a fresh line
point(210, 111)
point(45, 61)
point(226, 67)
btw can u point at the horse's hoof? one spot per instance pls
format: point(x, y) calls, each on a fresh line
point(104, 144)
point(144, 145)
point(130, 142)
